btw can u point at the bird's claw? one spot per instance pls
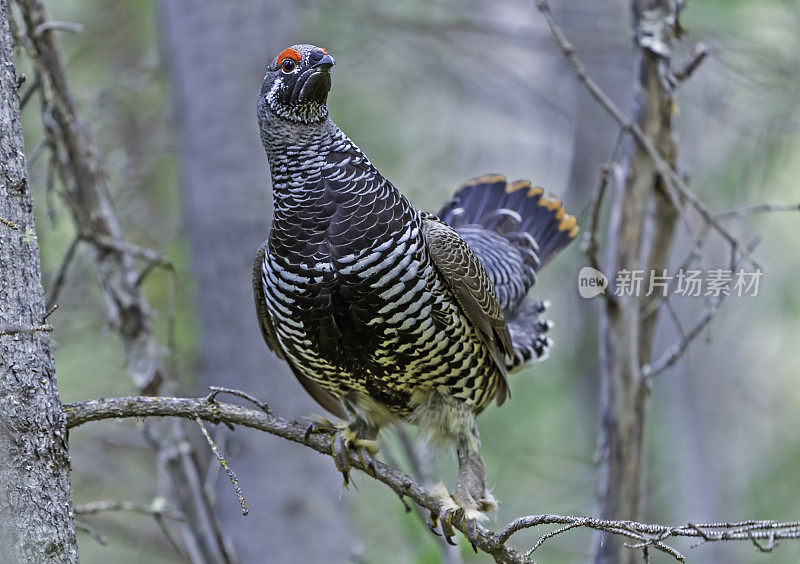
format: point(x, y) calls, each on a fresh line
point(445, 520)
point(344, 440)
point(452, 515)
point(319, 424)
point(365, 456)
point(433, 522)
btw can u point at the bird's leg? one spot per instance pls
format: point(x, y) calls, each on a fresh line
point(357, 435)
point(470, 501)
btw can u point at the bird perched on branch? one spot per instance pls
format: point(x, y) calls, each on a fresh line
point(386, 313)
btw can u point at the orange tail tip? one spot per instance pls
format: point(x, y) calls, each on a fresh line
point(542, 217)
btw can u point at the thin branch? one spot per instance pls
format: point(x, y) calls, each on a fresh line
point(760, 208)
point(70, 27)
point(685, 71)
point(591, 245)
point(58, 281)
point(28, 94)
point(224, 463)
point(10, 329)
point(169, 536)
point(677, 350)
point(109, 243)
point(654, 534)
point(50, 312)
point(762, 533)
point(672, 178)
point(215, 412)
point(214, 391)
point(212, 471)
point(157, 508)
point(694, 254)
point(92, 532)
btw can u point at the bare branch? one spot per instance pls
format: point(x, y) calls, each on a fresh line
point(654, 534)
point(157, 508)
point(685, 71)
point(28, 94)
point(760, 208)
point(215, 412)
point(71, 27)
point(674, 352)
point(645, 534)
point(591, 244)
point(25, 329)
point(216, 390)
point(671, 177)
point(58, 281)
point(224, 463)
point(91, 531)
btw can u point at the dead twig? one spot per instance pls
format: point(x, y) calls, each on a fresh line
point(58, 280)
point(677, 350)
point(28, 94)
point(157, 508)
point(591, 244)
point(665, 170)
point(224, 463)
point(92, 532)
point(10, 329)
point(685, 71)
point(70, 27)
point(766, 533)
point(759, 208)
point(214, 391)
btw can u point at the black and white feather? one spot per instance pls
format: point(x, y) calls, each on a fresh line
point(381, 310)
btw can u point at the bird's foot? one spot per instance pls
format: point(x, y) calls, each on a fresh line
point(462, 510)
point(346, 438)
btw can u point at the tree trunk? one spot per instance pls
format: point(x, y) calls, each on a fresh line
point(217, 52)
point(89, 199)
point(626, 328)
point(35, 500)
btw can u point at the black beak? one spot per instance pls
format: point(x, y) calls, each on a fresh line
point(325, 63)
point(313, 85)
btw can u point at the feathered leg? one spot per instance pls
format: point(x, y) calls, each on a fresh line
point(471, 500)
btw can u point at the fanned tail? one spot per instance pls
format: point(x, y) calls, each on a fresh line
point(493, 202)
point(515, 230)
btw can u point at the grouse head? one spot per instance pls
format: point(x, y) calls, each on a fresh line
point(296, 85)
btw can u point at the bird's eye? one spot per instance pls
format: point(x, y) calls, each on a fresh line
point(288, 65)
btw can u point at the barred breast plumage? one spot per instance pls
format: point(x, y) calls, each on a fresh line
point(355, 299)
point(385, 312)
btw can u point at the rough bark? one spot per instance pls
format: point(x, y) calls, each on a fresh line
point(626, 334)
point(36, 522)
point(87, 194)
point(217, 52)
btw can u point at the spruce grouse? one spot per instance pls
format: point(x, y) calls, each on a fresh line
point(384, 312)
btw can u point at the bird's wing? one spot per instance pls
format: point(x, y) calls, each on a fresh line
point(467, 279)
point(316, 391)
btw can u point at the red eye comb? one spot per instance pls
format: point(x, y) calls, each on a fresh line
point(289, 54)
